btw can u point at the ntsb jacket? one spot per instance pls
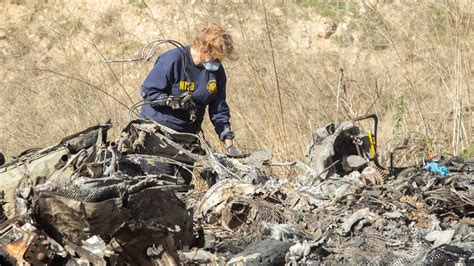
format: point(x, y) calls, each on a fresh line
point(208, 89)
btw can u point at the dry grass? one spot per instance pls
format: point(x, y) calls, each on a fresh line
point(411, 64)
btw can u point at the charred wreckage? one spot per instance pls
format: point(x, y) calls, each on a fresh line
point(159, 197)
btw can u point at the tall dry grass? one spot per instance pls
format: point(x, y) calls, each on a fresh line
point(410, 63)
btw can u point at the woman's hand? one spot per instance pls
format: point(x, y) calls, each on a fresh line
point(233, 152)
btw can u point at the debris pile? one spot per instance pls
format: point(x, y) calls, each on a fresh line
point(157, 196)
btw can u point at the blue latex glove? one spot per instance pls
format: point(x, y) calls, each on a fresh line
point(435, 168)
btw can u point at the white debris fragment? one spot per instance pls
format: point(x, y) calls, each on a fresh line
point(95, 245)
point(354, 218)
point(440, 237)
point(298, 252)
point(392, 215)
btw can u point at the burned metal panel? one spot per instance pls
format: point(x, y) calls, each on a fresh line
point(147, 137)
point(111, 209)
point(27, 173)
point(77, 220)
point(32, 168)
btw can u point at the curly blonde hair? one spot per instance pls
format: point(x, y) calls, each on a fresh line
point(214, 41)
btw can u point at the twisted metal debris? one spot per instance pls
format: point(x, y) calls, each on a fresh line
point(88, 200)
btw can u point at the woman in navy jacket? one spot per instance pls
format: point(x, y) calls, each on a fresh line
point(184, 81)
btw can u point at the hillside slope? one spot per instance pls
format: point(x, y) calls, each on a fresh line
point(411, 63)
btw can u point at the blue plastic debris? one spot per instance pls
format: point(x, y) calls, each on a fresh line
point(435, 168)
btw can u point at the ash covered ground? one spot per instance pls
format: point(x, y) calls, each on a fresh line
point(154, 196)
